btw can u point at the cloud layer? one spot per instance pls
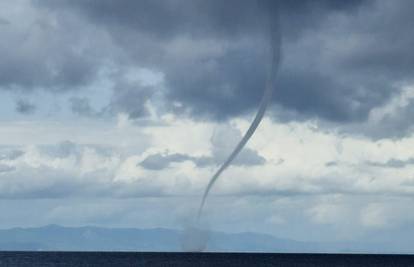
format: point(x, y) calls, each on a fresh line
point(341, 60)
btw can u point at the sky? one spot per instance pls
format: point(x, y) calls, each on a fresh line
point(117, 113)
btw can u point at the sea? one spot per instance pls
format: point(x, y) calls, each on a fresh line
point(46, 259)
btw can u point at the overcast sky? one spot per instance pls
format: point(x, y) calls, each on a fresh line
point(116, 113)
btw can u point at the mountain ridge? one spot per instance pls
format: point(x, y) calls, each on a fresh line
point(93, 238)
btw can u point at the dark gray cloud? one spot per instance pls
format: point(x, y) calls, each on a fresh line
point(162, 161)
point(341, 58)
point(201, 19)
point(25, 107)
point(229, 82)
point(167, 19)
point(47, 51)
point(392, 163)
point(331, 164)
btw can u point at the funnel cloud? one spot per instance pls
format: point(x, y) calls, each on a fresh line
point(275, 43)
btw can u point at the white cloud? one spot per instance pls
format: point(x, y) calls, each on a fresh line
point(311, 178)
point(299, 157)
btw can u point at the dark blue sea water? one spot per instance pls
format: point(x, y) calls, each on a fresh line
point(90, 259)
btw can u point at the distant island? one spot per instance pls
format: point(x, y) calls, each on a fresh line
point(89, 238)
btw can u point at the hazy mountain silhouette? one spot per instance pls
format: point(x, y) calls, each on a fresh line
point(58, 238)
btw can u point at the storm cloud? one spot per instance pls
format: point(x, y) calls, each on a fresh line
point(341, 60)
